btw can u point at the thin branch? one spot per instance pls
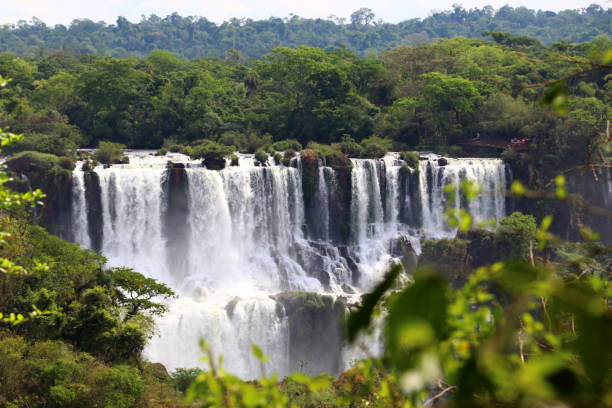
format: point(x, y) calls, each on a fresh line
point(583, 167)
point(571, 199)
point(441, 393)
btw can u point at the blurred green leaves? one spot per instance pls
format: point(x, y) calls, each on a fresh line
point(557, 97)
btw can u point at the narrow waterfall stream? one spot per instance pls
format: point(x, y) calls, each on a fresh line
point(229, 241)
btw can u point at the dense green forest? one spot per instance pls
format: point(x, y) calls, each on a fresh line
point(425, 96)
point(196, 37)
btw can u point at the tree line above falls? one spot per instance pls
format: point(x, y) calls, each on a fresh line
point(430, 96)
point(196, 37)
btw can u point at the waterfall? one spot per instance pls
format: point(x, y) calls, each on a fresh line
point(229, 326)
point(132, 206)
point(79, 210)
point(228, 241)
point(326, 175)
point(489, 205)
point(245, 226)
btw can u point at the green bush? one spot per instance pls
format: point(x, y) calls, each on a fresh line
point(411, 159)
point(255, 142)
point(52, 374)
point(375, 147)
point(288, 144)
point(104, 312)
point(182, 378)
point(287, 156)
point(110, 153)
point(212, 153)
point(66, 162)
point(40, 166)
point(516, 233)
point(172, 146)
point(447, 255)
point(348, 146)
point(177, 148)
point(328, 154)
point(61, 140)
point(239, 140)
point(162, 152)
point(234, 160)
point(278, 158)
point(261, 157)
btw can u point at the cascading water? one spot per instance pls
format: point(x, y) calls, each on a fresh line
point(228, 241)
point(435, 173)
point(132, 207)
point(79, 213)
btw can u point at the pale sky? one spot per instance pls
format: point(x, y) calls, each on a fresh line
point(64, 11)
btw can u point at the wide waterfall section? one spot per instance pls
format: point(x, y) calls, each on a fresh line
point(229, 241)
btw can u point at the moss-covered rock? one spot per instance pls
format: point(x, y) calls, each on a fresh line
point(340, 213)
point(411, 159)
point(50, 173)
point(448, 256)
point(316, 331)
point(401, 247)
point(310, 174)
point(410, 211)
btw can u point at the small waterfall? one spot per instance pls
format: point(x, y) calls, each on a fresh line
point(392, 202)
point(489, 174)
point(79, 210)
point(326, 175)
point(132, 206)
point(241, 237)
point(367, 220)
point(229, 327)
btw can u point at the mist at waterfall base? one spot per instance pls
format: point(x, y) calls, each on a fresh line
point(228, 241)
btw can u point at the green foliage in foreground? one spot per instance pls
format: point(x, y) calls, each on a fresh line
point(104, 312)
point(520, 332)
point(81, 346)
point(53, 374)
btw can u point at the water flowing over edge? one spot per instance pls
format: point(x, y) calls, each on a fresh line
point(227, 241)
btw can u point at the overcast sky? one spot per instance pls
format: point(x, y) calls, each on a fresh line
point(63, 11)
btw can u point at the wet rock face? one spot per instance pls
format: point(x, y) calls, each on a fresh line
point(310, 164)
point(316, 334)
point(341, 203)
point(331, 177)
point(172, 165)
point(95, 224)
point(175, 222)
point(442, 161)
